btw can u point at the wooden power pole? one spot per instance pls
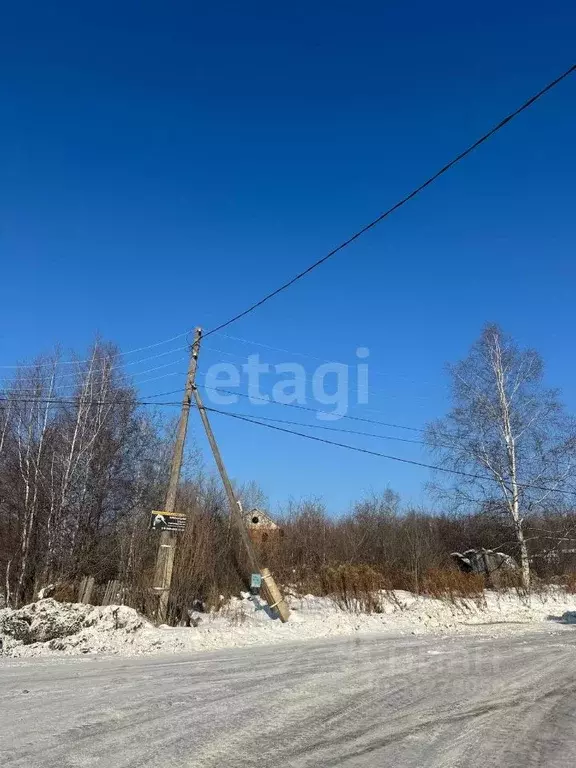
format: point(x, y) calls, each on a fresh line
point(271, 592)
point(167, 546)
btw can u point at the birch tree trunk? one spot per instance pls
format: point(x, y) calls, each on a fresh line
point(30, 459)
point(505, 405)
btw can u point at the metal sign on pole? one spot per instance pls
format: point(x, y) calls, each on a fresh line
point(166, 521)
point(255, 583)
point(169, 523)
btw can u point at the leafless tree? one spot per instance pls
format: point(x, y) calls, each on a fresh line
point(82, 464)
point(79, 462)
point(24, 438)
point(507, 435)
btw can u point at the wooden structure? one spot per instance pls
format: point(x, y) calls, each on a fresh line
point(261, 528)
point(85, 589)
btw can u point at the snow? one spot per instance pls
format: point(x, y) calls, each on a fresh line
point(51, 628)
point(48, 625)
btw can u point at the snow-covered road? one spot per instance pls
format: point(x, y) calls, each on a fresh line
point(369, 701)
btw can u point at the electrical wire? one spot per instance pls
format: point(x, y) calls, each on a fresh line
point(163, 376)
point(397, 205)
point(325, 441)
point(10, 395)
point(58, 386)
point(346, 431)
point(7, 396)
point(434, 467)
point(307, 408)
point(118, 354)
point(371, 391)
point(311, 357)
point(342, 245)
point(81, 401)
point(114, 367)
point(71, 401)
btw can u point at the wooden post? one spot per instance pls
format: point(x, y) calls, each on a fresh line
point(112, 589)
point(235, 508)
point(87, 596)
point(275, 598)
point(167, 546)
point(85, 590)
point(81, 588)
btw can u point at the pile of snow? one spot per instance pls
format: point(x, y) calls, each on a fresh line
point(53, 626)
point(46, 627)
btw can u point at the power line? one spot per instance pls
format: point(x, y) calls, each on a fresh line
point(114, 367)
point(76, 385)
point(340, 429)
point(331, 362)
point(248, 396)
point(260, 423)
point(397, 205)
point(6, 391)
point(342, 245)
point(165, 394)
point(8, 397)
point(310, 357)
point(163, 376)
point(79, 399)
point(266, 346)
point(82, 401)
point(118, 354)
point(384, 455)
point(310, 410)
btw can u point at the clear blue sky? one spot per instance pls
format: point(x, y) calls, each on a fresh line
point(164, 164)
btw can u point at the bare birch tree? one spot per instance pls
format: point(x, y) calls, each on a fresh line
point(79, 461)
point(506, 433)
point(26, 428)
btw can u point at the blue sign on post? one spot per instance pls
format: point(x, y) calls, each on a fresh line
point(255, 581)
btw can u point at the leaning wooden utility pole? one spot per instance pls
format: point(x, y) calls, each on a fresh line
point(167, 547)
point(271, 591)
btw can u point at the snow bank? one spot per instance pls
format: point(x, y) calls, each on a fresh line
point(52, 626)
point(47, 627)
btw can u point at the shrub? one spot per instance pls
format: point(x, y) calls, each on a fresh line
point(453, 585)
point(353, 587)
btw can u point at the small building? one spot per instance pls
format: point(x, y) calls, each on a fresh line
point(261, 527)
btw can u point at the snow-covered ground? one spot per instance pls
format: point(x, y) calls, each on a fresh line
point(426, 701)
point(50, 628)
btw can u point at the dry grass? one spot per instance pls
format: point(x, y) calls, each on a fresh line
point(361, 588)
point(358, 561)
point(352, 587)
point(453, 585)
point(65, 592)
point(570, 582)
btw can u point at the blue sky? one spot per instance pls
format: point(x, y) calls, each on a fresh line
point(163, 165)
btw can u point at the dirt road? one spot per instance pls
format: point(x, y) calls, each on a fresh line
point(416, 702)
